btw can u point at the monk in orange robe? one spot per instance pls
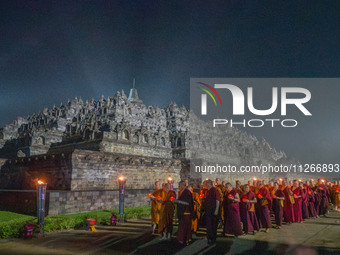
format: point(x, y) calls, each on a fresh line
point(197, 207)
point(167, 213)
point(157, 196)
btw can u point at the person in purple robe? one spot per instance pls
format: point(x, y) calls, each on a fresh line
point(231, 207)
point(248, 216)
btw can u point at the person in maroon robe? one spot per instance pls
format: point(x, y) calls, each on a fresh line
point(324, 196)
point(211, 205)
point(185, 210)
point(278, 203)
point(264, 201)
point(305, 200)
point(247, 213)
point(297, 193)
point(311, 200)
point(288, 210)
point(232, 220)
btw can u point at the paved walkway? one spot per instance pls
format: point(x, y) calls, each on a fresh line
point(321, 236)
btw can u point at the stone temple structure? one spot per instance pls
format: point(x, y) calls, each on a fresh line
point(81, 148)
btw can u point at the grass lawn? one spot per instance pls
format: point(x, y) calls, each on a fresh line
point(12, 224)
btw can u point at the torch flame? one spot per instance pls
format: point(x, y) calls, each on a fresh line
point(280, 179)
point(254, 178)
point(300, 180)
point(40, 182)
point(172, 198)
point(121, 178)
point(149, 195)
point(169, 179)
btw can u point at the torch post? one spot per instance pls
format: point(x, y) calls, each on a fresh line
point(171, 182)
point(121, 182)
point(41, 198)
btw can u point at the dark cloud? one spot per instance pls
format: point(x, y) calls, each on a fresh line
point(54, 50)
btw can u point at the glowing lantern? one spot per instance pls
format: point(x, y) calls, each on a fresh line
point(171, 182)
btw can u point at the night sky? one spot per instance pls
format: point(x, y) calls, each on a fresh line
point(54, 50)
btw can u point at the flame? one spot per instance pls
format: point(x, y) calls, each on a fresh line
point(121, 178)
point(40, 182)
point(254, 178)
point(159, 198)
point(172, 198)
point(322, 180)
point(274, 195)
point(170, 179)
point(294, 195)
point(244, 199)
point(230, 195)
point(280, 179)
point(201, 195)
point(336, 190)
point(259, 195)
point(149, 195)
point(300, 180)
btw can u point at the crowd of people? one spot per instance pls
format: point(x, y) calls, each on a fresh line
point(243, 209)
